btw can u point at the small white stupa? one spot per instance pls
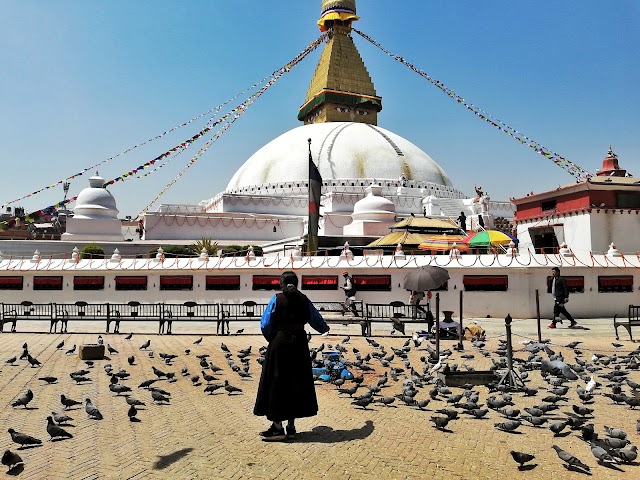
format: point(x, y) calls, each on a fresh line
point(373, 215)
point(95, 216)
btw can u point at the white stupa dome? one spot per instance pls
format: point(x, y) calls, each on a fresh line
point(341, 150)
point(95, 201)
point(374, 206)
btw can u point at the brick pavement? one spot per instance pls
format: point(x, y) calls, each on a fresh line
point(203, 436)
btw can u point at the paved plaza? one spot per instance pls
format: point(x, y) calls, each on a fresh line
point(215, 436)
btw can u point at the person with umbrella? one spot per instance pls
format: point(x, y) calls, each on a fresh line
point(426, 279)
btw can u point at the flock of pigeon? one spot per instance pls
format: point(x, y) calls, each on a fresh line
point(58, 424)
point(565, 406)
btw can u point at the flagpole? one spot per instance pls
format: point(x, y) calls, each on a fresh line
point(310, 242)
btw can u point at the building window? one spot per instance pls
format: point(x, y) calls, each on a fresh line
point(176, 282)
point(223, 282)
point(11, 283)
point(131, 283)
point(47, 283)
point(319, 282)
point(615, 283)
point(574, 284)
point(88, 283)
point(549, 205)
point(485, 283)
point(266, 282)
point(372, 283)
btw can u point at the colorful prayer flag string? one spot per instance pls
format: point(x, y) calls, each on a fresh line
point(576, 171)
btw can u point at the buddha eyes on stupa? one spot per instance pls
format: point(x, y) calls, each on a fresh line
point(362, 112)
point(342, 109)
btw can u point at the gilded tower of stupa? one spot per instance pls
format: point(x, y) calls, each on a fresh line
point(341, 89)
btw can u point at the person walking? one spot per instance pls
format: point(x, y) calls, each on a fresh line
point(560, 292)
point(286, 390)
point(350, 293)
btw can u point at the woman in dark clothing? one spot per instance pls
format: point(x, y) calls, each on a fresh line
point(286, 389)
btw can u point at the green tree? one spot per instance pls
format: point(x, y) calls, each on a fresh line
point(92, 250)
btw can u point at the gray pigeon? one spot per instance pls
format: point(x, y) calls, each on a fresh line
point(440, 422)
point(23, 400)
point(230, 388)
point(132, 401)
point(132, 412)
point(557, 427)
point(521, 458)
point(131, 360)
point(569, 459)
point(55, 431)
point(145, 345)
point(11, 361)
point(211, 388)
point(508, 426)
point(49, 379)
point(61, 418)
point(23, 439)
point(363, 402)
point(118, 388)
point(615, 432)
point(627, 455)
point(159, 397)
point(11, 459)
point(601, 454)
point(68, 402)
point(92, 411)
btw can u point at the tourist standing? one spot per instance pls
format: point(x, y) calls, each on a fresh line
point(560, 292)
point(286, 390)
point(462, 220)
point(350, 294)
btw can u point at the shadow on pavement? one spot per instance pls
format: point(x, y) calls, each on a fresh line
point(324, 434)
point(166, 460)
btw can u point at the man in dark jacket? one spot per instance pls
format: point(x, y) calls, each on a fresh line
point(286, 390)
point(560, 292)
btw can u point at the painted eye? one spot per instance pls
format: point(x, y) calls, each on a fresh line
point(362, 112)
point(342, 109)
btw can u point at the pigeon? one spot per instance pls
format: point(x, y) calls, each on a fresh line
point(569, 459)
point(230, 388)
point(238, 332)
point(224, 348)
point(100, 340)
point(363, 402)
point(48, 379)
point(61, 418)
point(33, 361)
point(535, 421)
point(55, 431)
point(557, 427)
point(158, 373)
point(132, 401)
point(198, 342)
point(627, 455)
point(615, 433)
point(508, 426)
point(23, 400)
point(118, 388)
point(23, 439)
point(211, 388)
point(68, 403)
point(11, 459)
point(207, 378)
point(145, 345)
point(79, 380)
point(582, 411)
point(147, 383)
point(128, 337)
point(386, 401)
point(60, 345)
point(440, 422)
point(132, 412)
point(601, 454)
point(521, 458)
point(92, 411)
point(131, 360)
point(71, 351)
point(159, 397)
point(111, 350)
point(11, 361)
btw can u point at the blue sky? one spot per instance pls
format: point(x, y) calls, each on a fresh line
point(83, 81)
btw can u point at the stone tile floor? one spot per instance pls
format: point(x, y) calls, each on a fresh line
point(216, 436)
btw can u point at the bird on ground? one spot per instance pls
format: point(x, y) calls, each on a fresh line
point(147, 383)
point(68, 402)
point(615, 432)
point(23, 439)
point(11, 460)
point(557, 427)
point(195, 379)
point(362, 402)
point(230, 388)
point(569, 459)
point(118, 388)
point(158, 373)
point(80, 380)
point(211, 388)
point(238, 332)
point(55, 431)
point(386, 401)
point(100, 340)
point(33, 361)
point(224, 348)
point(92, 411)
point(60, 345)
point(61, 418)
point(132, 412)
point(11, 361)
point(615, 442)
point(440, 422)
point(111, 350)
point(159, 397)
point(508, 426)
point(145, 345)
point(131, 360)
point(132, 401)
point(521, 458)
point(601, 454)
point(617, 345)
point(128, 337)
point(627, 455)
point(71, 351)
point(49, 379)
point(198, 342)
point(23, 400)
point(582, 411)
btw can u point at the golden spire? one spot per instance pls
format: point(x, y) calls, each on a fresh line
point(341, 89)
